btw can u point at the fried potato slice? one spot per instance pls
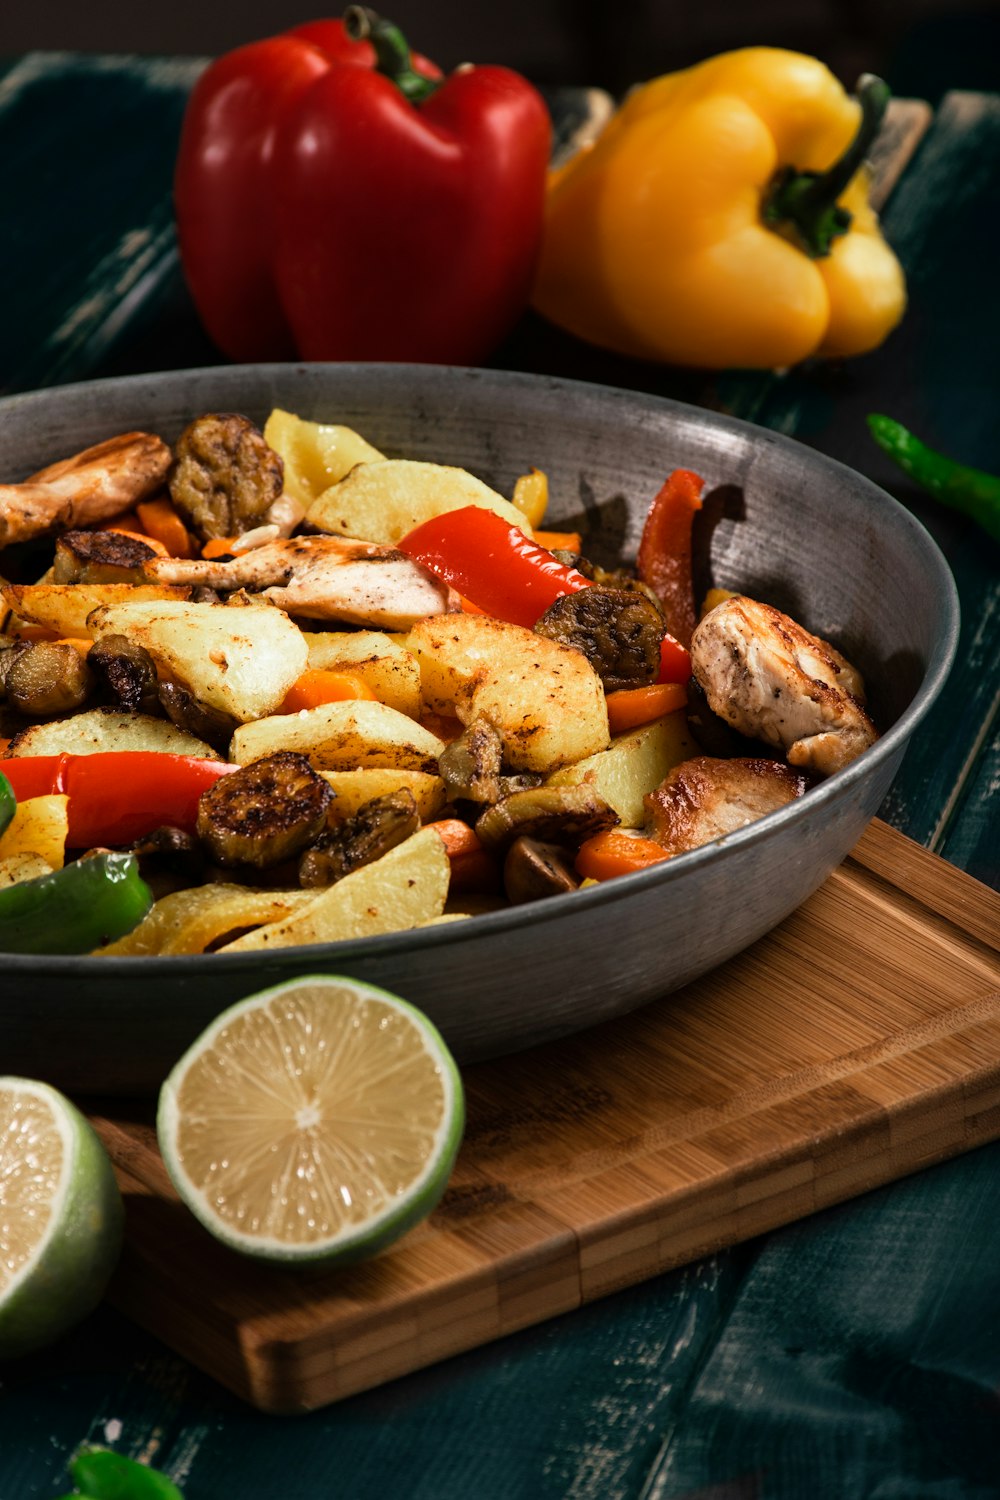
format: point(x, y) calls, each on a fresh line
point(352, 789)
point(544, 698)
point(15, 868)
point(189, 921)
point(240, 660)
point(39, 826)
point(342, 737)
point(382, 664)
point(382, 501)
point(315, 454)
point(66, 607)
point(99, 729)
point(406, 888)
point(633, 765)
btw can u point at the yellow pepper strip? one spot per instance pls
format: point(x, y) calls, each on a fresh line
point(721, 219)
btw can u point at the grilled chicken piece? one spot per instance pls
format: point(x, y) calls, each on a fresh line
point(772, 680)
point(321, 578)
point(264, 812)
point(704, 799)
point(91, 486)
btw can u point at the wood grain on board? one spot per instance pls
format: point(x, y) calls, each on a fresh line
point(856, 1043)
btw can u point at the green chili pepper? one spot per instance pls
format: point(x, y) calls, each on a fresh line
point(8, 803)
point(971, 491)
point(74, 910)
point(99, 1474)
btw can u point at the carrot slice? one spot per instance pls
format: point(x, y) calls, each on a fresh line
point(318, 685)
point(218, 546)
point(615, 852)
point(83, 646)
point(159, 519)
point(630, 707)
point(472, 867)
point(560, 541)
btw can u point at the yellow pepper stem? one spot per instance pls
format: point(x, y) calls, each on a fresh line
point(803, 205)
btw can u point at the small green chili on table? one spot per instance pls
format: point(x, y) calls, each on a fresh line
point(972, 491)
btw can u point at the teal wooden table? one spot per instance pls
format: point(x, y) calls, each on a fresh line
point(854, 1354)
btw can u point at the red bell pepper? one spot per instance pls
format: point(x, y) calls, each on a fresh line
point(664, 559)
point(336, 199)
point(117, 796)
point(492, 563)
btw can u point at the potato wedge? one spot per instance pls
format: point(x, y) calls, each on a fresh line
point(66, 607)
point(382, 664)
point(100, 729)
point(342, 737)
point(189, 921)
point(352, 789)
point(381, 502)
point(545, 699)
point(405, 888)
point(16, 868)
point(239, 659)
point(315, 454)
point(39, 826)
point(634, 764)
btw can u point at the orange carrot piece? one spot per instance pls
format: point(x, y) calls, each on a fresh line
point(615, 852)
point(473, 868)
point(126, 520)
point(560, 541)
point(630, 707)
point(218, 546)
point(318, 685)
point(159, 519)
point(35, 633)
point(82, 645)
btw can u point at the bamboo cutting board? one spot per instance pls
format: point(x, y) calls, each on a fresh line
point(856, 1043)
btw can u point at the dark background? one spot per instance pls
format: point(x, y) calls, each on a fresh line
point(920, 46)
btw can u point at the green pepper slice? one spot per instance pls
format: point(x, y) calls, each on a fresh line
point(100, 1474)
point(8, 803)
point(76, 909)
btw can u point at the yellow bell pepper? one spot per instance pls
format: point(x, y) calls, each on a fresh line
point(722, 219)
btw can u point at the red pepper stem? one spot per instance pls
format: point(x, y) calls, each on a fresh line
point(804, 204)
point(392, 52)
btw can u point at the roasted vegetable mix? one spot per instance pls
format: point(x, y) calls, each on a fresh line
point(337, 198)
point(356, 694)
point(722, 219)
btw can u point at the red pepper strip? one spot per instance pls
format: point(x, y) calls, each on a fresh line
point(492, 563)
point(664, 559)
point(117, 796)
point(675, 661)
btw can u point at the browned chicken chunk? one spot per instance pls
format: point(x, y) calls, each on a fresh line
point(225, 478)
point(770, 679)
point(704, 799)
point(320, 578)
point(91, 486)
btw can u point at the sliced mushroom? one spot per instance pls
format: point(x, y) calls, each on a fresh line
point(45, 678)
point(170, 859)
point(470, 765)
point(533, 870)
point(225, 478)
point(100, 557)
point(264, 812)
point(376, 827)
point(127, 672)
point(553, 814)
point(618, 630)
point(182, 708)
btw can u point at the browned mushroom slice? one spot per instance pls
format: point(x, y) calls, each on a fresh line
point(100, 482)
point(100, 557)
point(225, 477)
point(182, 708)
point(470, 765)
point(127, 672)
point(704, 799)
point(533, 870)
point(554, 814)
point(264, 812)
point(376, 827)
point(45, 678)
point(618, 630)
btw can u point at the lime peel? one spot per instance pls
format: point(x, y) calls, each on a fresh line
point(314, 1122)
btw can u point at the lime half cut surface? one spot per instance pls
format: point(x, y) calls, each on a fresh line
point(61, 1216)
point(314, 1122)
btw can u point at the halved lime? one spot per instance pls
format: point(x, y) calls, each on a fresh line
point(61, 1216)
point(314, 1122)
